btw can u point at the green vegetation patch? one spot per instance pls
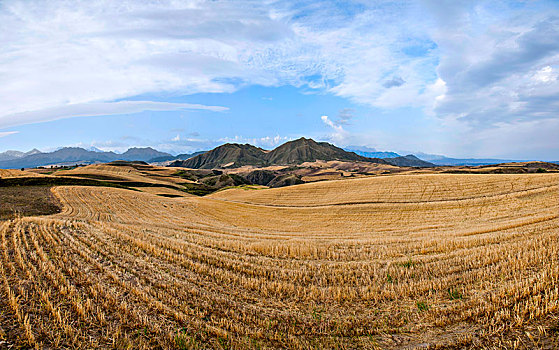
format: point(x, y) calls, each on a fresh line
point(57, 181)
point(243, 187)
point(422, 306)
point(95, 177)
point(197, 189)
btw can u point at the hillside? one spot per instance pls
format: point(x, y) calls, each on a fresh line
point(409, 160)
point(371, 152)
point(69, 155)
point(182, 156)
point(307, 150)
point(230, 154)
point(389, 262)
point(290, 153)
point(145, 154)
point(9, 155)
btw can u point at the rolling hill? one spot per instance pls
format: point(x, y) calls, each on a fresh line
point(416, 261)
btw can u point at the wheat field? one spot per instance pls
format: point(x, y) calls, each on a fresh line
point(408, 261)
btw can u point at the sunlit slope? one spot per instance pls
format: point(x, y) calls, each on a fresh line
point(454, 260)
point(151, 174)
point(8, 173)
point(397, 188)
point(468, 215)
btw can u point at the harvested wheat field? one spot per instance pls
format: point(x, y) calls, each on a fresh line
point(406, 261)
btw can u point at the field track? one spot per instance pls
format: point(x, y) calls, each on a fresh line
point(446, 261)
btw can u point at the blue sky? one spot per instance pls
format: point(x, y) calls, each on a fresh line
point(460, 78)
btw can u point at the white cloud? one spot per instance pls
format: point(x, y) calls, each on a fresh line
point(531, 139)
point(499, 70)
point(266, 142)
point(339, 134)
point(473, 65)
point(546, 75)
point(7, 133)
point(55, 53)
point(97, 109)
point(176, 138)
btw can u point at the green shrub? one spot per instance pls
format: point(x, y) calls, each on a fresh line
point(454, 294)
point(422, 306)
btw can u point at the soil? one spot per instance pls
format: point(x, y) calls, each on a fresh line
point(27, 201)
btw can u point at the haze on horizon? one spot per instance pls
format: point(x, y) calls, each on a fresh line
point(459, 78)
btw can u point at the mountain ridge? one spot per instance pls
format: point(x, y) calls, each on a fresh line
point(12, 154)
point(371, 152)
point(221, 156)
point(182, 156)
point(290, 153)
point(308, 150)
point(76, 155)
point(409, 160)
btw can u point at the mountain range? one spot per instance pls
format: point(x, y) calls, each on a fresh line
point(76, 155)
point(235, 155)
point(182, 156)
point(371, 152)
point(435, 159)
point(290, 153)
point(228, 155)
point(443, 160)
point(9, 155)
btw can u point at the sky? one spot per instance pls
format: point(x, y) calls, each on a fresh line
point(459, 78)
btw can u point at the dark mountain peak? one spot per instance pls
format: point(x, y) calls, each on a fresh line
point(179, 157)
point(409, 160)
point(238, 145)
point(292, 152)
point(227, 155)
point(140, 150)
point(411, 156)
point(72, 150)
point(142, 154)
point(308, 150)
point(301, 141)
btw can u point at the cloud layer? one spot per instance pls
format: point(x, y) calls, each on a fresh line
point(98, 109)
point(7, 133)
point(478, 68)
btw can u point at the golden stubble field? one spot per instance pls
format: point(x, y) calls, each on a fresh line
point(409, 261)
